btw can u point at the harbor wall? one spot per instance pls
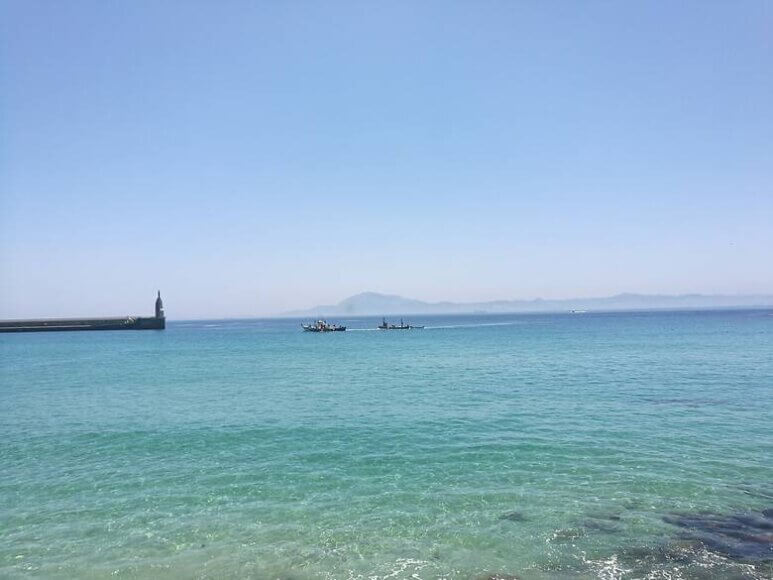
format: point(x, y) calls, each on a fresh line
point(71, 324)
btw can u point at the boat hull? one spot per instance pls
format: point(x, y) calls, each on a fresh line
point(322, 327)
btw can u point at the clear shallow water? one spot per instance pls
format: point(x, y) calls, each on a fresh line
point(539, 446)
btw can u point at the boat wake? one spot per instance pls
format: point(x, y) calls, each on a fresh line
point(477, 325)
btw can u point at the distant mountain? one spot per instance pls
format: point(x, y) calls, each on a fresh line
point(373, 303)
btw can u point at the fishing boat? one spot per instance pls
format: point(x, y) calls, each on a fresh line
point(322, 326)
point(401, 326)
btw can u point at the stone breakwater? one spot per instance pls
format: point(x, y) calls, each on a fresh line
point(64, 324)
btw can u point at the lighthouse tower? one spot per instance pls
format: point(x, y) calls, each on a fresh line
point(159, 306)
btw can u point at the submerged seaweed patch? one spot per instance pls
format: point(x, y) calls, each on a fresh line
point(744, 537)
point(600, 525)
point(707, 546)
point(514, 516)
point(686, 559)
point(760, 491)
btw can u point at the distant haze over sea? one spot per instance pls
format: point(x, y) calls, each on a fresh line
point(374, 303)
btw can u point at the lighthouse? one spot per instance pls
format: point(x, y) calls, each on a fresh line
point(159, 306)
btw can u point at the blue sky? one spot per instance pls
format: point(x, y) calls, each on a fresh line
point(253, 157)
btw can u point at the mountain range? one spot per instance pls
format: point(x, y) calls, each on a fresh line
point(373, 303)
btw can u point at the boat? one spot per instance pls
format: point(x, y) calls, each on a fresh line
point(322, 326)
point(401, 326)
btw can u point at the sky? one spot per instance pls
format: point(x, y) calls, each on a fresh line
point(248, 158)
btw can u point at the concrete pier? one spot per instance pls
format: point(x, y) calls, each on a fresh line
point(157, 322)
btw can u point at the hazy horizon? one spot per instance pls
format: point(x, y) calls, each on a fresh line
point(251, 159)
point(623, 302)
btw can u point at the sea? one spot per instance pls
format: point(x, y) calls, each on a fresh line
point(528, 446)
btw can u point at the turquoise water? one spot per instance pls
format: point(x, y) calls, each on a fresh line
point(535, 446)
